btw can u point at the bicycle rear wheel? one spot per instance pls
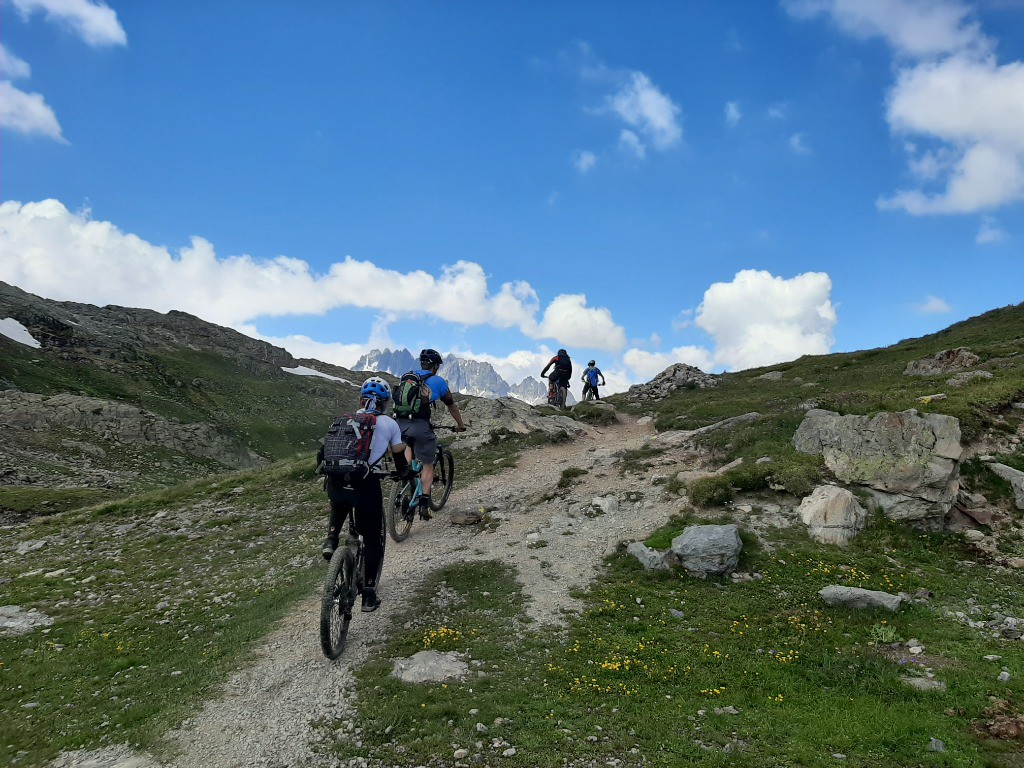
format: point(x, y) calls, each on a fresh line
point(399, 514)
point(444, 476)
point(336, 604)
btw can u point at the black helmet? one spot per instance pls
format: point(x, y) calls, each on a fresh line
point(592, 362)
point(430, 357)
point(562, 352)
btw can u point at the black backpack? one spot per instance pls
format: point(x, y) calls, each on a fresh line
point(563, 365)
point(346, 450)
point(412, 398)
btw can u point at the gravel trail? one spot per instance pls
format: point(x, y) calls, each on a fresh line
point(267, 713)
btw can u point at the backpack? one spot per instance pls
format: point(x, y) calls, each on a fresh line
point(592, 374)
point(563, 365)
point(412, 398)
point(346, 449)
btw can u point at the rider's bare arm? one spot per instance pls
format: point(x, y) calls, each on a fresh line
point(453, 409)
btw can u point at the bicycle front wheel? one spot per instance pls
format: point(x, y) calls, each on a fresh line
point(399, 514)
point(444, 476)
point(336, 604)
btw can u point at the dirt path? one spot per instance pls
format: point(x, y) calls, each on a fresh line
point(267, 712)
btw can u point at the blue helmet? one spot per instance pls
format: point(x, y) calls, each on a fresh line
point(376, 388)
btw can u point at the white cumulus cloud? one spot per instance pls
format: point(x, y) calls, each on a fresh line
point(759, 319)
point(952, 93)
point(63, 255)
point(95, 22)
point(976, 108)
point(27, 113)
point(569, 319)
point(916, 28)
point(648, 111)
point(756, 319)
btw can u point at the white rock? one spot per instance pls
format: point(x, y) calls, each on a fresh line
point(832, 514)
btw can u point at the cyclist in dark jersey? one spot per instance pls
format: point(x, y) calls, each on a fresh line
point(561, 372)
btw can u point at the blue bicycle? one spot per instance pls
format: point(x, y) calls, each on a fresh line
point(405, 496)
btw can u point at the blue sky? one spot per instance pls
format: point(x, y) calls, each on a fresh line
point(727, 183)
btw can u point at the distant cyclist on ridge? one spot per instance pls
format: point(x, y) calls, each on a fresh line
point(562, 370)
point(589, 378)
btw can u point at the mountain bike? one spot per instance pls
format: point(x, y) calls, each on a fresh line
point(556, 395)
point(344, 583)
point(405, 495)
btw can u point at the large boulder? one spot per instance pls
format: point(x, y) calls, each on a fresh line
point(910, 463)
point(708, 550)
point(832, 515)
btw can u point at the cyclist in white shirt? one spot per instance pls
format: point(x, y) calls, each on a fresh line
point(362, 497)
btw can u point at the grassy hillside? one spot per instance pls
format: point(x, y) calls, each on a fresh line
point(862, 382)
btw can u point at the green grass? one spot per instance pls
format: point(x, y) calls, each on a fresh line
point(569, 475)
point(156, 599)
point(638, 675)
point(597, 415)
point(48, 501)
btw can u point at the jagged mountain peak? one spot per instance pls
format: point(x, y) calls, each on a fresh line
point(464, 375)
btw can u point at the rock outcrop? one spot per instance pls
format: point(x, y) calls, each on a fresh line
point(909, 462)
point(119, 423)
point(121, 339)
point(509, 415)
point(944, 362)
point(672, 379)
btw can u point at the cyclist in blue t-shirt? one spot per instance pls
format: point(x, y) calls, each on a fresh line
point(418, 432)
point(590, 376)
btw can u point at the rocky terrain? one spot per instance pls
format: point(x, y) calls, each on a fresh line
point(119, 398)
point(825, 451)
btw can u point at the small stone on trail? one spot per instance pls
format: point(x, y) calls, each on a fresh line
point(936, 745)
